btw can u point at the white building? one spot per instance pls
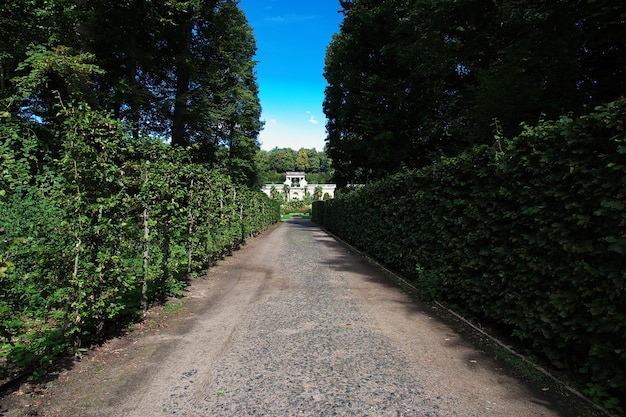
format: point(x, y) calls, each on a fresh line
point(297, 188)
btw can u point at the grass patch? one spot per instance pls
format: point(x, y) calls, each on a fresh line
point(296, 216)
point(173, 308)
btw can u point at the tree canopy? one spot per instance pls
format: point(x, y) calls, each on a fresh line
point(409, 81)
point(287, 159)
point(273, 164)
point(182, 70)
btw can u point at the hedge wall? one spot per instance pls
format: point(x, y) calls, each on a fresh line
point(92, 238)
point(529, 233)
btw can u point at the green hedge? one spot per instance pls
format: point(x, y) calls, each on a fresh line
point(529, 233)
point(317, 212)
point(92, 237)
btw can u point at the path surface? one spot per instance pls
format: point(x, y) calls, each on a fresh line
point(293, 324)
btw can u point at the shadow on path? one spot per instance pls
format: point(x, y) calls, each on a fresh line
point(347, 259)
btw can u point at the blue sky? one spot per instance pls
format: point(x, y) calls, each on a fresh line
point(292, 36)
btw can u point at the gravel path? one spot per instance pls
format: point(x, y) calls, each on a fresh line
point(294, 324)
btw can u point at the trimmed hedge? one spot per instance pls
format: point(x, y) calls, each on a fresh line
point(103, 232)
point(529, 233)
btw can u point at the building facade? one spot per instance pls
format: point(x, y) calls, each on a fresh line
point(297, 188)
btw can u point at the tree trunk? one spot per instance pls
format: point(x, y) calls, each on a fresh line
point(146, 258)
point(190, 229)
point(68, 303)
point(183, 77)
point(84, 28)
point(132, 79)
point(165, 250)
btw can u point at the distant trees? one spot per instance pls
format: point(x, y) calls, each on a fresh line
point(282, 160)
point(302, 160)
point(273, 164)
point(318, 192)
point(412, 80)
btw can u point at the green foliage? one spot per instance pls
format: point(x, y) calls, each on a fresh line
point(274, 163)
point(411, 80)
point(529, 233)
point(295, 206)
point(302, 160)
point(181, 70)
point(95, 224)
point(319, 178)
point(317, 212)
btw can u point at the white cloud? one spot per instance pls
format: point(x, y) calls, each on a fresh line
point(290, 18)
point(294, 136)
point(313, 121)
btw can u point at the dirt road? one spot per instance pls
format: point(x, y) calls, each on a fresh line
point(293, 324)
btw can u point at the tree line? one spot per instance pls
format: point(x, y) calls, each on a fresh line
point(410, 81)
point(273, 164)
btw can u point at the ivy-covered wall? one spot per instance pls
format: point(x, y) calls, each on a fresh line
point(530, 233)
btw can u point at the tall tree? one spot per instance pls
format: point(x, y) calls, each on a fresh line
point(302, 160)
point(216, 103)
point(410, 80)
point(282, 160)
point(129, 45)
point(381, 97)
point(314, 160)
point(233, 90)
point(24, 23)
point(16, 24)
point(185, 13)
point(176, 69)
